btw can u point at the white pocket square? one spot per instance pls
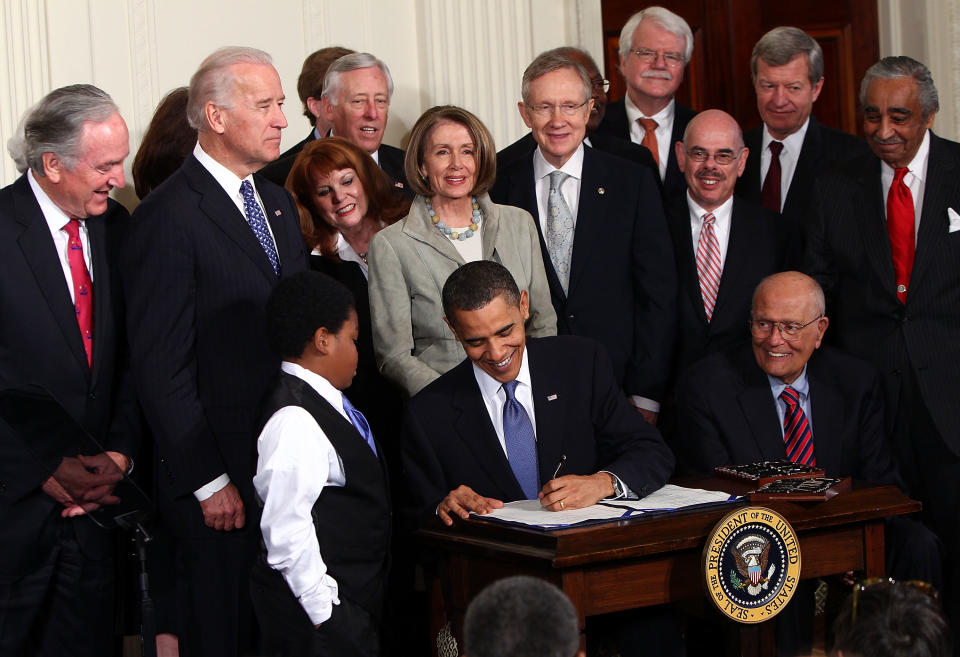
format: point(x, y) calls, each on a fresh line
point(954, 219)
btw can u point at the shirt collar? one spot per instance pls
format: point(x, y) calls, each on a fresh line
point(634, 113)
point(792, 143)
point(917, 166)
point(800, 384)
point(572, 167)
point(323, 387)
point(721, 214)
point(489, 387)
point(55, 217)
point(375, 154)
point(224, 176)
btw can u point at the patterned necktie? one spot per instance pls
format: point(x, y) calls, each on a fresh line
point(901, 230)
point(82, 287)
point(360, 423)
point(259, 224)
point(521, 442)
point(559, 234)
point(650, 137)
point(708, 264)
point(796, 430)
point(770, 194)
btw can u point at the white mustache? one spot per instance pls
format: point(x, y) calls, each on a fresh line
point(663, 75)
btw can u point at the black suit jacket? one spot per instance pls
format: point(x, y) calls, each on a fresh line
point(848, 251)
point(278, 170)
point(580, 412)
point(197, 281)
point(615, 123)
point(823, 149)
point(622, 289)
point(524, 147)
point(757, 248)
point(728, 415)
point(41, 348)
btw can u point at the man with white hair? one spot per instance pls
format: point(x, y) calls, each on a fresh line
point(202, 255)
point(655, 46)
point(58, 334)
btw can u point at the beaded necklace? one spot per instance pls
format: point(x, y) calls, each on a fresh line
point(457, 234)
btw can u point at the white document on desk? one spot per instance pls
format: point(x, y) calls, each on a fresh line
point(668, 498)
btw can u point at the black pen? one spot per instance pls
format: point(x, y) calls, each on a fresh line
point(563, 459)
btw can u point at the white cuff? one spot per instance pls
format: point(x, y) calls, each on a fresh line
point(215, 486)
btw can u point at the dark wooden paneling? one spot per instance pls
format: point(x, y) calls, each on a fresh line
point(724, 34)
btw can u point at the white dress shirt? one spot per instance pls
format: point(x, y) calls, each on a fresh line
point(664, 131)
point(914, 179)
point(56, 219)
point(789, 156)
point(295, 461)
point(802, 385)
point(723, 216)
point(231, 185)
point(375, 154)
point(494, 399)
point(570, 189)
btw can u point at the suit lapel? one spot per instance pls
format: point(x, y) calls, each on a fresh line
point(220, 208)
point(588, 236)
point(738, 251)
point(679, 223)
point(102, 319)
point(418, 226)
point(759, 409)
point(522, 192)
point(549, 403)
point(826, 407)
point(41, 254)
point(274, 204)
point(873, 225)
point(806, 170)
point(472, 425)
point(940, 183)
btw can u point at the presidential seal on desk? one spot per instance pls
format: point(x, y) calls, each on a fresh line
point(751, 564)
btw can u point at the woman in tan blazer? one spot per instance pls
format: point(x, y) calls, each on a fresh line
point(450, 164)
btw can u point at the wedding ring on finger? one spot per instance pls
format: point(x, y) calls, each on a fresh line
point(561, 505)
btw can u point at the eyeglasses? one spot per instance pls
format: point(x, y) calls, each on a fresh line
point(763, 328)
point(723, 158)
point(601, 85)
point(871, 582)
point(547, 109)
point(649, 56)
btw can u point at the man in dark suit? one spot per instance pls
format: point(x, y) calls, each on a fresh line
point(723, 244)
point(59, 337)
point(603, 234)
point(883, 241)
point(785, 397)
point(204, 251)
point(524, 147)
point(309, 88)
point(464, 452)
point(787, 69)
point(655, 46)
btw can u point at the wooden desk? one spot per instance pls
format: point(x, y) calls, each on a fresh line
point(651, 560)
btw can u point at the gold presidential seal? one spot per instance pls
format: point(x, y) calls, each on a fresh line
point(751, 564)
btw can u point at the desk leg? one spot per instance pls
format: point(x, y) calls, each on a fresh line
point(758, 640)
point(874, 561)
point(573, 587)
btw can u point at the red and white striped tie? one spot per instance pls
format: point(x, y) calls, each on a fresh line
point(708, 264)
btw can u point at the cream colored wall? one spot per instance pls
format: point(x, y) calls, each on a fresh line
point(439, 51)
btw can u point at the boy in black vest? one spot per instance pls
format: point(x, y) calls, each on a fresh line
point(318, 587)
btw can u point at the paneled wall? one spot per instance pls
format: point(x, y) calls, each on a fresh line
point(467, 52)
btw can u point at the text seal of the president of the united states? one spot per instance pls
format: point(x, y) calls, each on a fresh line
point(751, 564)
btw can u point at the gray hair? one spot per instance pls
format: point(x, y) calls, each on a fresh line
point(55, 125)
point(548, 62)
point(666, 19)
point(781, 44)
point(904, 67)
point(214, 83)
point(521, 616)
point(347, 63)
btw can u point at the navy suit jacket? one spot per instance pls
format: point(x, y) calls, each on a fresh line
point(197, 281)
point(622, 288)
point(757, 247)
point(450, 441)
point(823, 149)
point(615, 123)
point(728, 415)
point(41, 347)
point(848, 252)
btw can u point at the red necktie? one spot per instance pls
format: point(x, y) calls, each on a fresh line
point(82, 287)
point(650, 137)
point(770, 193)
point(708, 264)
point(901, 230)
point(796, 430)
